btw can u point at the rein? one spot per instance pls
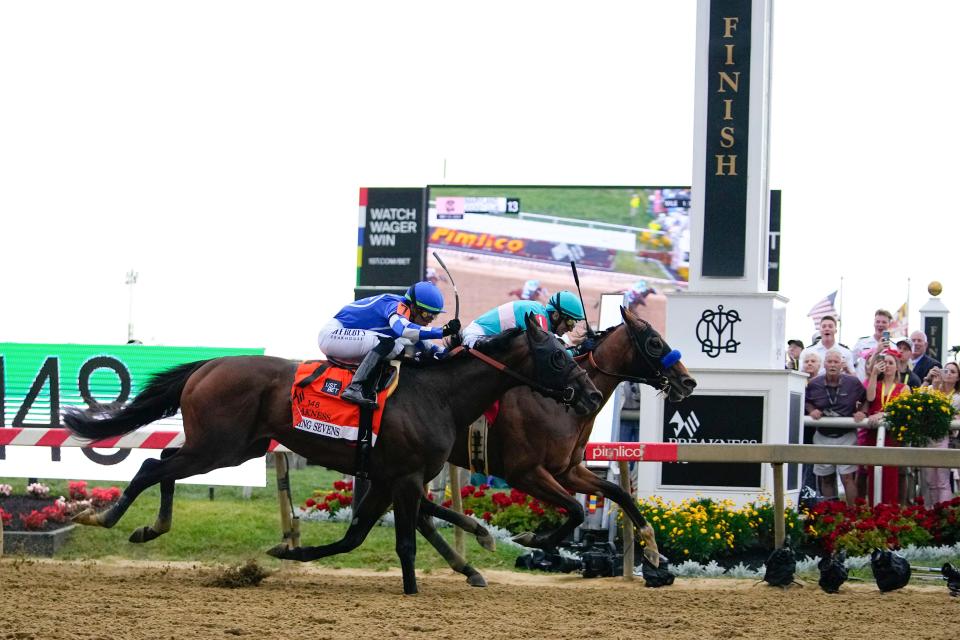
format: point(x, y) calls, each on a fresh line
point(566, 395)
point(654, 382)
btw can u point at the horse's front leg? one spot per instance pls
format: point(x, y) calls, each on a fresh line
point(457, 562)
point(540, 484)
point(407, 492)
point(468, 524)
point(373, 505)
point(582, 480)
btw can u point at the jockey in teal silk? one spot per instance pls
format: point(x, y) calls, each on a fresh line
point(561, 314)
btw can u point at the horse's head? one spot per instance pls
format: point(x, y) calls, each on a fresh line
point(654, 360)
point(556, 370)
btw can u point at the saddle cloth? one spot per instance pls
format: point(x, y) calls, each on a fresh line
point(317, 407)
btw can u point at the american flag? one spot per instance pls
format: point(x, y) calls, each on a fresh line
point(823, 308)
point(899, 323)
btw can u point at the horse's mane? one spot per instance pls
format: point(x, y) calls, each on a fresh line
point(497, 343)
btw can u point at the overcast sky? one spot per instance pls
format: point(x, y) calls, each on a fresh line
point(217, 147)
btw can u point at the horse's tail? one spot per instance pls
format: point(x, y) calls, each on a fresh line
point(160, 398)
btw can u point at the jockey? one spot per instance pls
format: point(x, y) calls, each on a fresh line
point(377, 328)
point(561, 314)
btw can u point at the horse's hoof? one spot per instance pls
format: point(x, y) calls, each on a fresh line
point(652, 556)
point(87, 517)
point(143, 534)
point(280, 551)
point(487, 541)
point(526, 539)
point(476, 580)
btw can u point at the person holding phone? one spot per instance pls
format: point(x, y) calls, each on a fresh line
point(868, 345)
point(936, 482)
point(882, 386)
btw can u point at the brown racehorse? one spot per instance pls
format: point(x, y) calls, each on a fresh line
point(538, 447)
point(232, 407)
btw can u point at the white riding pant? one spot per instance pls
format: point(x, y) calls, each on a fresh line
point(351, 345)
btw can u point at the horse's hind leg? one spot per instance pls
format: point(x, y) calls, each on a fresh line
point(582, 480)
point(165, 515)
point(151, 472)
point(468, 524)
point(374, 503)
point(457, 562)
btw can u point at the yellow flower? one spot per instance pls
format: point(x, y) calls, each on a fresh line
point(703, 530)
point(686, 552)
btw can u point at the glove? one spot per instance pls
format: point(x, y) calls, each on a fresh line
point(588, 344)
point(451, 327)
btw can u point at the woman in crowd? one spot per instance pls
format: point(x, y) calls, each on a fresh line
point(936, 482)
point(882, 386)
point(810, 364)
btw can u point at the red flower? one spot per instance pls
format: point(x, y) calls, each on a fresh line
point(501, 500)
point(346, 500)
point(35, 520)
point(468, 512)
point(479, 494)
point(323, 506)
point(446, 503)
point(483, 487)
point(77, 489)
point(310, 502)
point(56, 512)
point(487, 516)
point(517, 497)
point(466, 491)
point(7, 518)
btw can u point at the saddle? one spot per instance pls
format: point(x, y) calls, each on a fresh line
point(387, 378)
point(317, 406)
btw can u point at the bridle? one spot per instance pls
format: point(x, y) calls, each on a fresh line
point(557, 363)
point(649, 346)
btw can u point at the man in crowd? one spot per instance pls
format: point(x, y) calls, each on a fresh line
point(839, 395)
point(794, 348)
point(921, 362)
point(906, 376)
point(868, 344)
point(828, 340)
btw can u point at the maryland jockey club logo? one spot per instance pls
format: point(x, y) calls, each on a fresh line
point(715, 331)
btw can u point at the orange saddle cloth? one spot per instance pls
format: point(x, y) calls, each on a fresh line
point(317, 407)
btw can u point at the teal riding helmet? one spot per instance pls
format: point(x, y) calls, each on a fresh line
point(567, 304)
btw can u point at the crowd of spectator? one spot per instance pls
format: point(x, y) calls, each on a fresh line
point(858, 383)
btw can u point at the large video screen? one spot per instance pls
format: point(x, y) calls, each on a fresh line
point(509, 242)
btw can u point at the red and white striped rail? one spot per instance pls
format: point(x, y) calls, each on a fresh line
point(43, 437)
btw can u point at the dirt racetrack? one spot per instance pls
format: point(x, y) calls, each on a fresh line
point(42, 600)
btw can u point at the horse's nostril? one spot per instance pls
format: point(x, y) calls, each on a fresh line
point(689, 383)
point(596, 397)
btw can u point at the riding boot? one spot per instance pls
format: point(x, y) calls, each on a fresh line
point(360, 390)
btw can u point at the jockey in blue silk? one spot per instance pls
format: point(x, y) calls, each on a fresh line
point(562, 313)
point(378, 328)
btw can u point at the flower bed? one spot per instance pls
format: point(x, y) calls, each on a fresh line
point(860, 528)
point(703, 529)
point(511, 510)
point(36, 510)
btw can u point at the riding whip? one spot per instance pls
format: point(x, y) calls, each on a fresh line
point(456, 295)
point(576, 279)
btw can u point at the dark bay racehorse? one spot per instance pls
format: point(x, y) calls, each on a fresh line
point(232, 407)
point(538, 447)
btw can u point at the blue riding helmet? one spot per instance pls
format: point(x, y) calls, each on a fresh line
point(425, 296)
point(566, 304)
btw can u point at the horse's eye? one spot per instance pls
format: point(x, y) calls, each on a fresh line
point(654, 346)
point(557, 360)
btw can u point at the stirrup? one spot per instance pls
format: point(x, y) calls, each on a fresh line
point(354, 393)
